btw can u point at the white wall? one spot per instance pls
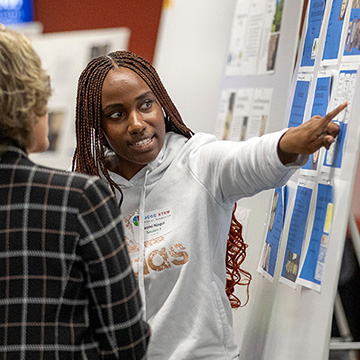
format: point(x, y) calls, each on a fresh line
point(189, 57)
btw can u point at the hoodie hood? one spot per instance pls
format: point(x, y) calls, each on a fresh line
point(156, 168)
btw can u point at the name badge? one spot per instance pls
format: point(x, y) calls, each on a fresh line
point(156, 223)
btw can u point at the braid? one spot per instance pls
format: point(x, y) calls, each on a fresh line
point(235, 256)
point(89, 156)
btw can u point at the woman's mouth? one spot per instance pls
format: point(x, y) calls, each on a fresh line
point(142, 142)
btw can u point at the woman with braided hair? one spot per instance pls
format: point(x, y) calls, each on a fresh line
point(177, 192)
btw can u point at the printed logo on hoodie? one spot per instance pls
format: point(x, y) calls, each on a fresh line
point(160, 252)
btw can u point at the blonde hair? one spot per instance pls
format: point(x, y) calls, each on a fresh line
point(24, 87)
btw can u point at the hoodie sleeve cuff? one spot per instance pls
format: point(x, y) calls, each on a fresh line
point(300, 160)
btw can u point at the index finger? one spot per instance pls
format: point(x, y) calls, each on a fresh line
point(329, 116)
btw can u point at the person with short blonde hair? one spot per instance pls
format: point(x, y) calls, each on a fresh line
point(67, 289)
point(24, 87)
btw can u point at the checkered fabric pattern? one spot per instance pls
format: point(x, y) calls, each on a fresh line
point(67, 290)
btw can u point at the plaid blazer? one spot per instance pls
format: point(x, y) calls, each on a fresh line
point(67, 290)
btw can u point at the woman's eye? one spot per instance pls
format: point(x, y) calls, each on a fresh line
point(147, 104)
point(116, 115)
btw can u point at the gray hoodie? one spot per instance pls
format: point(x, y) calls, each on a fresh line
point(176, 215)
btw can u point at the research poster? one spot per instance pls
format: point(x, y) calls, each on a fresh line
point(243, 113)
point(315, 19)
point(297, 231)
point(334, 32)
point(313, 266)
point(255, 36)
point(271, 36)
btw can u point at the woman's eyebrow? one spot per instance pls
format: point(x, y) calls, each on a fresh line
point(140, 97)
point(111, 106)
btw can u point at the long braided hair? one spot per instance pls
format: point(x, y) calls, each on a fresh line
point(91, 145)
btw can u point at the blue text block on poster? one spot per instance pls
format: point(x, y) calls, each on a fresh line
point(296, 233)
point(320, 104)
point(299, 103)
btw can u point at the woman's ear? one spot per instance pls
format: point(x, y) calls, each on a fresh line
point(168, 124)
point(103, 140)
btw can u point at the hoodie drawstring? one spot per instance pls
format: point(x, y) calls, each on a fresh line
point(142, 245)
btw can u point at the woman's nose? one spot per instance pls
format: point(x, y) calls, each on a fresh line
point(136, 122)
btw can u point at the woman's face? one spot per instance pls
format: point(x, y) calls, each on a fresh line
point(132, 121)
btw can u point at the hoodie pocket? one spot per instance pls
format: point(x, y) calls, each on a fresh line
point(227, 330)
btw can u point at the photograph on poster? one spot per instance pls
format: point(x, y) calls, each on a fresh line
point(275, 35)
point(225, 113)
point(291, 266)
point(240, 118)
point(314, 23)
point(297, 231)
point(352, 42)
point(244, 128)
point(311, 269)
point(270, 249)
point(229, 116)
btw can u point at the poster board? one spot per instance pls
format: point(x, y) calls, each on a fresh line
point(301, 317)
point(287, 318)
point(64, 55)
point(252, 212)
